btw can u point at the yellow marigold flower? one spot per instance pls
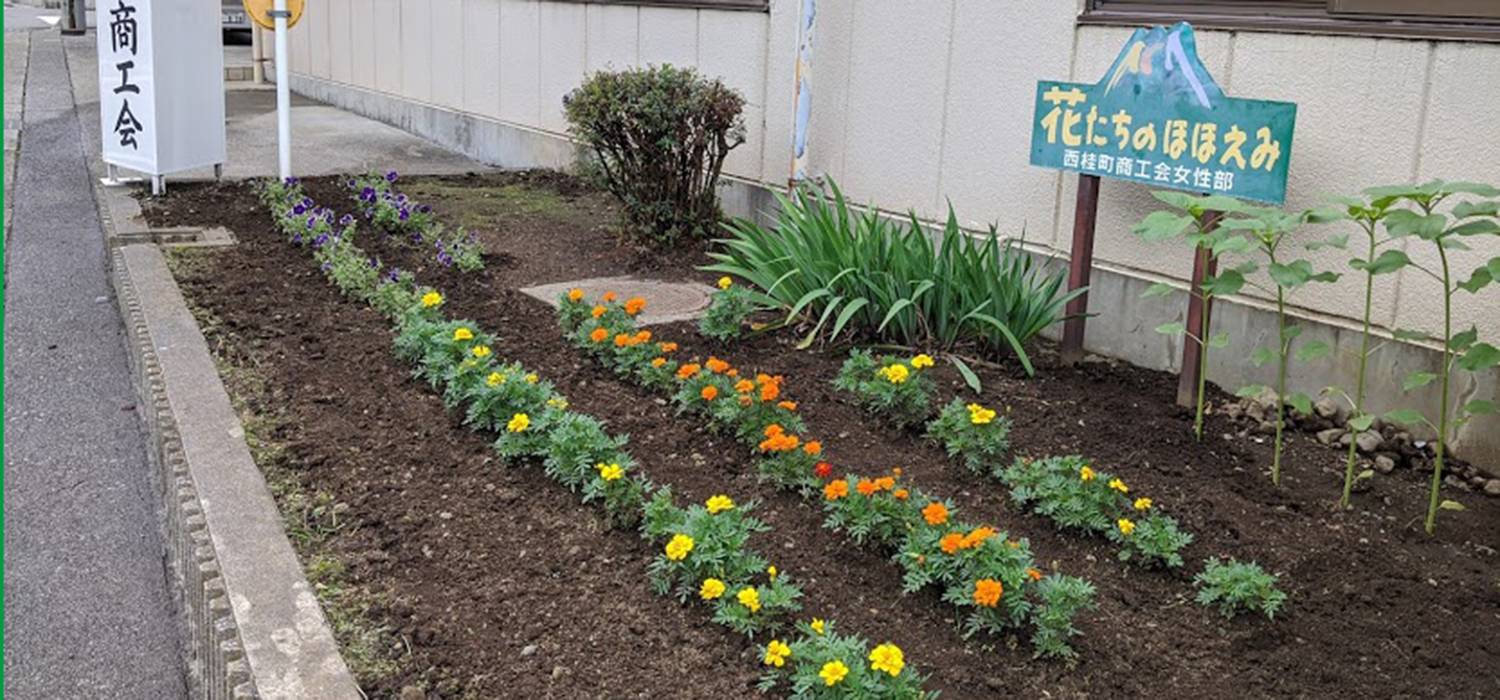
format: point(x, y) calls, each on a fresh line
point(598, 311)
point(575, 295)
point(518, 422)
point(495, 379)
point(979, 415)
point(719, 504)
point(921, 361)
point(481, 351)
point(678, 548)
point(776, 651)
point(659, 362)
point(463, 333)
point(724, 283)
point(750, 598)
point(888, 657)
point(987, 592)
point(1126, 526)
point(610, 472)
point(833, 672)
point(895, 374)
point(1143, 504)
point(530, 378)
point(817, 625)
point(431, 299)
point(772, 572)
point(558, 403)
point(1086, 474)
point(1119, 485)
point(712, 588)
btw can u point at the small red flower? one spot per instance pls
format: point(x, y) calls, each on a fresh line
point(823, 470)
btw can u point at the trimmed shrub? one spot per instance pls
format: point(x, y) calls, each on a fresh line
point(658, 137)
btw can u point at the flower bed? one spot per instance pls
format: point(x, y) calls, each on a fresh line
point(1342, 589)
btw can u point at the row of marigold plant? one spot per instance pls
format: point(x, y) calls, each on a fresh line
point(1068, 490)
point(705, 554)
point(989, 577)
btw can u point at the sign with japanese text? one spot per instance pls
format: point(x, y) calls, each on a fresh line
point(161, 84)
point(1157, 117)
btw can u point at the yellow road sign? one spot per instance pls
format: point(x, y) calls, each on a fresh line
point(260, 12)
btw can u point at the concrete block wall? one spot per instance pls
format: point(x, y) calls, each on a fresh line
point(919, 104)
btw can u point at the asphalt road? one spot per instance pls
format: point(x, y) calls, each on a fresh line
point(88, 613)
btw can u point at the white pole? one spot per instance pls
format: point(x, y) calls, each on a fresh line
point(283, 93)
point(257, 54)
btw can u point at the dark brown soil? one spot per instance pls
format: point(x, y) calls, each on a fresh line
point(1377, 608)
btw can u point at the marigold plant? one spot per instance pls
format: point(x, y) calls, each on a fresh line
point(888, 386)
point(975, 433)
point(822, 664)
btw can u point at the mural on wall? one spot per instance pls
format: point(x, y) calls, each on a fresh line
point(803, 102)
point(1158, 117)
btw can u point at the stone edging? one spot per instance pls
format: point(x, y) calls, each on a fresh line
point(216, 658)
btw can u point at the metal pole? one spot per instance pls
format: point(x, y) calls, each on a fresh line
point(257, 54)
point(283, 93)
point(802, 103)
point(77, 18)
point(1080, 268)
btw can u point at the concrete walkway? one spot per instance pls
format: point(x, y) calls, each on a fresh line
point(88, 613)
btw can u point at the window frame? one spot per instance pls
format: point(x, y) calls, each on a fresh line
point(726, 5)
point(1307, 19)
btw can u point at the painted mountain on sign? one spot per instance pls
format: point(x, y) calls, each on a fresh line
point(1163, 62)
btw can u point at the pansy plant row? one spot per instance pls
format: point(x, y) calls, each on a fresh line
point(992, 578)
point(394, 213)
point(705, 555)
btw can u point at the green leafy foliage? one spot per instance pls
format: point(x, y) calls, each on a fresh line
point(1236, 587)
point(1074, 495)
point(896, 389)
point(658, 137)
point(800, 671)
point(728, 307)
point(974, 433)
point(844, 270)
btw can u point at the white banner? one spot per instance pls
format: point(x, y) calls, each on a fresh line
point(127, 89)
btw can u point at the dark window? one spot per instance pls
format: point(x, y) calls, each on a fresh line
point(1439, 19)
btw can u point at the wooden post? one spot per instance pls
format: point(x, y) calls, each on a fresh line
point(1205, 264)
point(1085, 215)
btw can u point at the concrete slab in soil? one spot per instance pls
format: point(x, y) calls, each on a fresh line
point(666, 302)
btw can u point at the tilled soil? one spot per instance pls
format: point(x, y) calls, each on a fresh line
point(482, 561)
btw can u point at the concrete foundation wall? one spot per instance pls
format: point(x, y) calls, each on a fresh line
point(922, 104)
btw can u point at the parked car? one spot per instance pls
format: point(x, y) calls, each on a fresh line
point(236, 22)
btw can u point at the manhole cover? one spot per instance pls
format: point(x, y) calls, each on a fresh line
point(665, 301)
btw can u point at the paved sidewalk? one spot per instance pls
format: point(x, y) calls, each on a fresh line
point(88, 613)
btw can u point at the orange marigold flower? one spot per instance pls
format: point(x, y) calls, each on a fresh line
point(836, 489)
point(634, 306)
point(687, 370)
point(745, 400)
point(901, 494)
point(936, 513)
point(770, 392)
point(598, 311)
point(609, 296)
point(733, 373)
point(866, 487)
point(716, 365)
point(659, 362)
point(1034, 574)
point(774, 429)
point(987, 592)
point(642, 336)
point(952, 542)
point(885, 483)
point(978, 536)
point(575, 295)
point(622, 340)
point(813, 447)
point(668, 347)
point(788, 405)
point(710, 392)
point(599, 335)
point(744, 386)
